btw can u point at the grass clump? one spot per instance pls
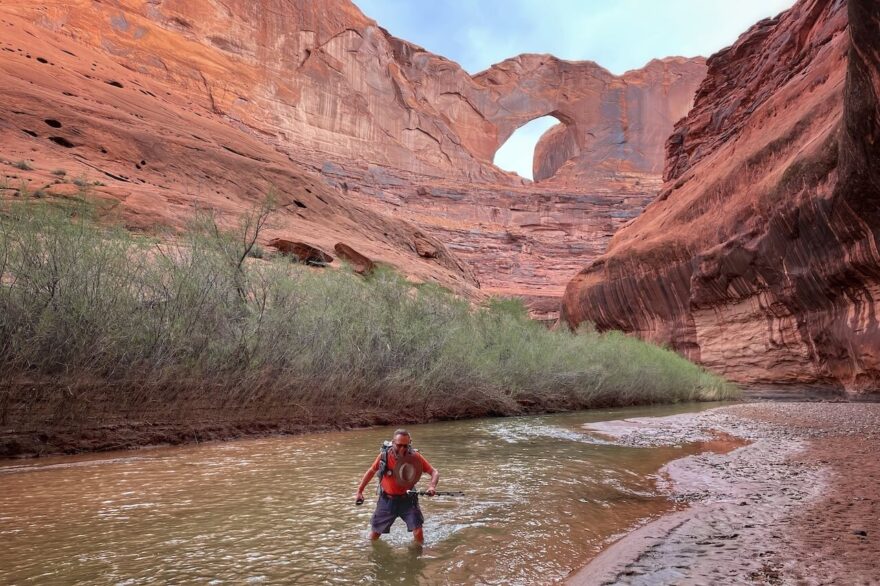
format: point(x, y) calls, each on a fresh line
point(23, 165)
point(97, 324)
point(257, 252)
point(24, 189)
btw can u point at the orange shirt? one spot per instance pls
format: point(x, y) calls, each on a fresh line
point(389, 484)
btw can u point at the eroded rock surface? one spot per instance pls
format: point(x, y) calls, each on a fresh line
point(760, 259)
point(359, 263)
point(129, 106)
point(174, 104)
point(301, 251)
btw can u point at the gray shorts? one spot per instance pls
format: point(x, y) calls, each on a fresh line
point(389, 508)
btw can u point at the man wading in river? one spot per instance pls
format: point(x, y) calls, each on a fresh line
point(400, 468)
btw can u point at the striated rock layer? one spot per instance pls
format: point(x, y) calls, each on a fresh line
point(760, 257)
point(180, 103)
point(89, 117)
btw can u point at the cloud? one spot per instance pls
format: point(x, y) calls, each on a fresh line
point(619, 35)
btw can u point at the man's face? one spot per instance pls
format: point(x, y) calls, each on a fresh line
point(401, 443)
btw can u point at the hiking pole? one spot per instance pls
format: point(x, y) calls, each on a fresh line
point(359, 502)
point(436, 493)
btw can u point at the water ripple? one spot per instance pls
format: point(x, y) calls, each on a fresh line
point(540, 498)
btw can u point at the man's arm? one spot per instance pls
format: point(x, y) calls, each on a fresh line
point(368, 476)
point(432, 486)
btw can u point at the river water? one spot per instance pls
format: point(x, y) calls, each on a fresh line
point(541, 499)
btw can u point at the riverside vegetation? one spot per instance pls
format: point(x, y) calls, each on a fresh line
point(100, 326)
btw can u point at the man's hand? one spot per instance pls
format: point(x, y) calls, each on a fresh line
point(430, 491)
point(359, 498)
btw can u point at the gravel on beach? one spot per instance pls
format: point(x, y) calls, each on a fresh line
point(797, 505)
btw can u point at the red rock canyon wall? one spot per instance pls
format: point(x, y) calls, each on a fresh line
point(130, 99)
point(760, 257)
point(221, 101)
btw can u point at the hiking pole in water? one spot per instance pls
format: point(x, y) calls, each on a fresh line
point(423, 493)
point(436, 493)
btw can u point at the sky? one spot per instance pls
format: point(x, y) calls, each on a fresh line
point(617, 34)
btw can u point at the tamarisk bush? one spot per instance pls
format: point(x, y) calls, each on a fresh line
point(98, 325)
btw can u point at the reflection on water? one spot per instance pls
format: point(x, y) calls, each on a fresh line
point(396, 565)
point(541, 499)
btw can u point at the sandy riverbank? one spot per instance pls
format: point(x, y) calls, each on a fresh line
point(797, 505)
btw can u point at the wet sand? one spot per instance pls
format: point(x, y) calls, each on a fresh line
point(797, 505)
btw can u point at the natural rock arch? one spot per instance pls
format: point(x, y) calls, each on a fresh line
point(608, 121)
point(529, 136)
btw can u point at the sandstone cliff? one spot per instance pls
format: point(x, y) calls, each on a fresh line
point(104, 100)
point(760, 259)
point(178, 103)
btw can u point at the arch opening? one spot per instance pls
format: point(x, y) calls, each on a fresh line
point(517, 154)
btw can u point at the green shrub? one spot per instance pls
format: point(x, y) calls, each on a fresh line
point(192, 324)
point(257, 252)
point(24, 189)
point(23, 165)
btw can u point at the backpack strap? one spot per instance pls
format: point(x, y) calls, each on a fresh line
point(383, 464)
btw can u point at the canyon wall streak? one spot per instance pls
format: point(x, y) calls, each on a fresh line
point(759, 258)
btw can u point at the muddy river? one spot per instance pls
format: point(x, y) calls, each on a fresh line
point(541, 499)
